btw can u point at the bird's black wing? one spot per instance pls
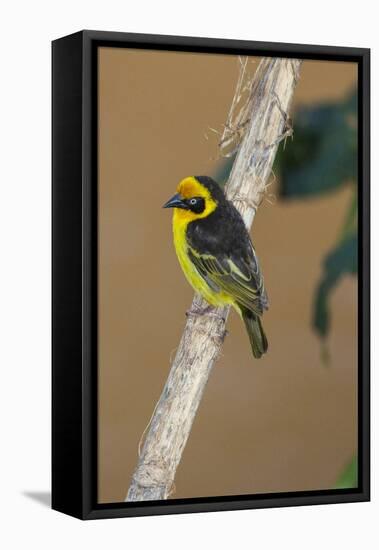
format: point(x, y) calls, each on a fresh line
point(221, 250)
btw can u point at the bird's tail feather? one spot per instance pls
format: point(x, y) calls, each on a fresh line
point(257, 337)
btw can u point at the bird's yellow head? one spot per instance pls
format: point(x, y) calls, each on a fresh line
point(196, 197)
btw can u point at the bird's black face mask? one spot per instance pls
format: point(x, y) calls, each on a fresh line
point(195, 204)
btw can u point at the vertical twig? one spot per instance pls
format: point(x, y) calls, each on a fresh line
point(265, 126)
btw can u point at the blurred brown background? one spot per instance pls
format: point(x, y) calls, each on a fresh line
point(283, 423)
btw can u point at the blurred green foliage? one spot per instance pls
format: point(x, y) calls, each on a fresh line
point(223, 170)
point(340, 261)
point(323, 154)
point(349, 477)
point(321, 158)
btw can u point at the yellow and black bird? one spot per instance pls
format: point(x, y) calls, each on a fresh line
point(216, 254)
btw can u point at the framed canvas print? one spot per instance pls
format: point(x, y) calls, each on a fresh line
point(212, 354)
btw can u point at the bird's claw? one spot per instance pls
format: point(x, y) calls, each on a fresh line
point(198, 311)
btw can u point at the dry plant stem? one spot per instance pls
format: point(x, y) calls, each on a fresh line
point(271, 93)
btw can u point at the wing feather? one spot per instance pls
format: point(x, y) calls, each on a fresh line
point(237, 277)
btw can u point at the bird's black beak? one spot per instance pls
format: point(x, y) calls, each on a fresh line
point(176, 202)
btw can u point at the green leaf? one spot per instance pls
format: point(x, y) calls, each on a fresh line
point(322, 155)
point(350, 224)
point(341, 261)
point(349, 477)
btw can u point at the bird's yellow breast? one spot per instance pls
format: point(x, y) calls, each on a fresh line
point(180, 224)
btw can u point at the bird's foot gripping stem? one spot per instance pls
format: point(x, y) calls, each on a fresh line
point(209, 311)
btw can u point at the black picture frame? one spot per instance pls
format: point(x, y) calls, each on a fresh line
point(74, 272)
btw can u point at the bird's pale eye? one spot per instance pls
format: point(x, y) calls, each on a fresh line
point(196, 204)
